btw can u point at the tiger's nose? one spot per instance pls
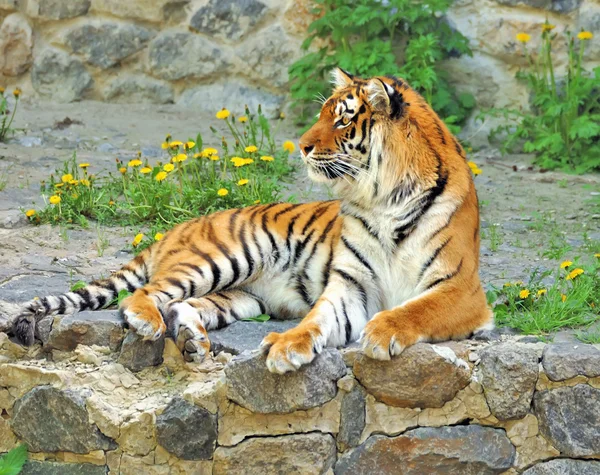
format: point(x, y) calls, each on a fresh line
point(307, 149)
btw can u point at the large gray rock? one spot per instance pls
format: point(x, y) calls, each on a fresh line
point(106, 44)
point(508, 376)
point(145, 10)
point(57, 9)
point(267, 55)
point(419, 377)
point(305, 454)
point(228, 19)
point(186, 430)
point(566, 360)
point(233, 95)
point(34, 467)
point(60, 77)
point(176, 55)
point(352, 418)
point(569, 417)
point(16, 45)
point(51, 420)
point(245, 336)
point(560, 6)
point(459, 450)
point(101, 327)
point(251, 385)
point(565, 467)
point(137, 353)
point(132, 89)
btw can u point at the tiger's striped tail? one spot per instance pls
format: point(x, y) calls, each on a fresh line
point(93, 296)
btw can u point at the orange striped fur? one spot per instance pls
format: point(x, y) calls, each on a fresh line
point(393, 262)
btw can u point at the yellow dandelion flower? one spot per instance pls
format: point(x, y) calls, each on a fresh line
point(507, 284)
point(565, 264)
point(207, 152)
point(176, 144)
point(257, 202)
point(563, 297)
point(223, 114)
point(54, 200)
point(243, 119)
point(158, 236)
point(574, 273)
point(214, 158)
point(181, 157)
point(585, 35)
point(111, 203)
point(222, 192)
point(137, 240)
point(84, 165)
point(190, 144)
point(160, 176)
point(597, 255)
point(251, 148)
point(74, 196)
point(169, 167)
point(267, 158)
point(248, 161)
point(289, 146)
point(541, 292)
point(29, 213)
point(74, 182)
point(85, 182)
point(472, 165)
point(59, 185)
point(547, 27)
point(2, 90)
point(123, 170)
point(17, 91)
point(164, 145)
point(146, 170)
point(523, 37)
point(476, 171)
point(67, 178)
point(238, 161)
point(134, 163)
point(243, 181)
point(197, 155)
point(524, 294)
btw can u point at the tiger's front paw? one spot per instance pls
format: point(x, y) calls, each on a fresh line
point(385, 336)
point(142, 315)
point(289, 350)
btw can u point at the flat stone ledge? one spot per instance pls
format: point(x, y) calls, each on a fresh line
point(473, 450)
point(423, 375)
point(245, 336)
point(251, 385)
point(566, 360)
point(565, 467)
point(100, 327)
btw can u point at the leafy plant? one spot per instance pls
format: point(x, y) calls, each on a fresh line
point(563, 128)
point(12, 462)
point(191, 181)
point(6, 116)
point(571, 300)
point(406, 38)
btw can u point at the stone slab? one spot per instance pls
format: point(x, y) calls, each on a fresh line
point(246, 336)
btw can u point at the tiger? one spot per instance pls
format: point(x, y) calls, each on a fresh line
point(392, 262)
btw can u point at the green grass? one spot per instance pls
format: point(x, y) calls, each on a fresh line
point(247, 168)
point(565, 298)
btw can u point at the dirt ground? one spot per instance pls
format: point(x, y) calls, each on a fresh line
point(529, 219)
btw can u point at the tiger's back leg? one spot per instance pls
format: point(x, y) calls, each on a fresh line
point(188, 320)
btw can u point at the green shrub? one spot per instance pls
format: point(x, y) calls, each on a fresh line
point(191, 181)
point(563, 128)
point(367, 38)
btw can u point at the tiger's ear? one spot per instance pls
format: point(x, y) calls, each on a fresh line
point(384, 98)
point(341, 78)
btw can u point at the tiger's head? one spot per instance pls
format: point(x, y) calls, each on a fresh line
point(375, 135)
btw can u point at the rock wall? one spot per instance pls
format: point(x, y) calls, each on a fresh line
point(214, 53)
point(475, 407)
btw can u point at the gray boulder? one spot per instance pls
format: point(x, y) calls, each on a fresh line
point(565, 467)
point(101, 327)
point(566, 360)
point(60, 77)
point(137, 353)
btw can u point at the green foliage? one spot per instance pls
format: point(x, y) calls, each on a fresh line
point(537, 307)
point(367, 38)
point(190, 182)
point(12, 462)
point(259, 319)
point(563, 128)
point(6, 116)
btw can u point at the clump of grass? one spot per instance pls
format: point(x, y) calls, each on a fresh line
point(6, 116)
point(572, 299)
point(192, 180)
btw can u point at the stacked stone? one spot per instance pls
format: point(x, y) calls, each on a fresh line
point(159, 51)
point(514, 406)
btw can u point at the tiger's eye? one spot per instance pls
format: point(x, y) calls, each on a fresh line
point(345, 120)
